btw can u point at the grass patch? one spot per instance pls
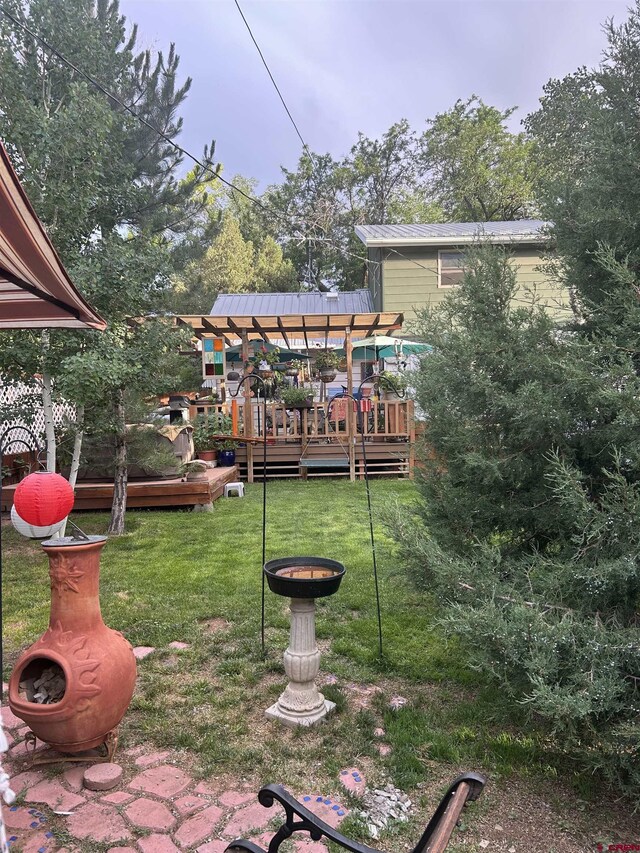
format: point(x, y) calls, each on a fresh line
point(196, 577)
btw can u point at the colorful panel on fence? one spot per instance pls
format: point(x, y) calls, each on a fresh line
point(213, 357)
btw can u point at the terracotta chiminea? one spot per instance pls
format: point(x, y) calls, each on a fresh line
point(73, 685)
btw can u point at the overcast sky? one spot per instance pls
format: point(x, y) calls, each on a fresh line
point(358, 65)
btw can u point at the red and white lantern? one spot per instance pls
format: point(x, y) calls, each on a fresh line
point(31, 531)
point(43, 499)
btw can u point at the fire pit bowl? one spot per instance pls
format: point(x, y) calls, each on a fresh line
point(304, 577)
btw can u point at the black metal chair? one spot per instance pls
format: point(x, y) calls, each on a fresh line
point(435, 838)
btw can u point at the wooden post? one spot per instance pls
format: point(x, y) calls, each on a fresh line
point(248, 408)
point(411, 426)
point(304, 441)
point(351, 415)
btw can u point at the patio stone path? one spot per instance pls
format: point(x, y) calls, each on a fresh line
point(156, 807)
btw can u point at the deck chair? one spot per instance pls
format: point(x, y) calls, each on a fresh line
point(435, 838)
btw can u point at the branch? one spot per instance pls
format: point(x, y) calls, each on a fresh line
point(510, 600)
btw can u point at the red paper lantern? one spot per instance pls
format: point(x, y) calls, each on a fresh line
point(43, 498)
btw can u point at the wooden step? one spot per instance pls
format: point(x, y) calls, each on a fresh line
point(324, 463)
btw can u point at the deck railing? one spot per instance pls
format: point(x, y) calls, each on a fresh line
point(335, 422)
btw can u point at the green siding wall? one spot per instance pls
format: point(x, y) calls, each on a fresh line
point(411, 282)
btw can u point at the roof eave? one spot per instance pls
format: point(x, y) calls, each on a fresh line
point(515, 239)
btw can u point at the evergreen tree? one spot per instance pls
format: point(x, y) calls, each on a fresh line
point(530, 512)
point(106, 187)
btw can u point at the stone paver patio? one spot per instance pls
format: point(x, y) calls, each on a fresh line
point(156, 807)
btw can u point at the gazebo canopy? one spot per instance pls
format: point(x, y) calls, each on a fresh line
point(35, 289)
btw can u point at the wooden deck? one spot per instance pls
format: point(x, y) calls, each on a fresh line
point(148, 493)
point(298, 441)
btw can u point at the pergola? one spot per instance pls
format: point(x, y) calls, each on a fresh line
point(309, 328)
point(291, 327)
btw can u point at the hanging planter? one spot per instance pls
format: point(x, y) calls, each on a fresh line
point(328, 375)
point(265, 370)
point(327, 363)
point(291, 372)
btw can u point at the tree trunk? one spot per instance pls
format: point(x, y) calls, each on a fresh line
point(47, 406)
point(119, 503)
point(75, 459)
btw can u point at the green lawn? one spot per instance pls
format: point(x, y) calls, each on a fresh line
point(173, 572)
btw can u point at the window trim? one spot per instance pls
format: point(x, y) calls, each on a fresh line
point(442, 252)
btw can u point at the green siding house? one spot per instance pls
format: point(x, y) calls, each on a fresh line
point(413, 266)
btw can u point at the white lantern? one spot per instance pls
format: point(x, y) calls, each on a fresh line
point(31, 531)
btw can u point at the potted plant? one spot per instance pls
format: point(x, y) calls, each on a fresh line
point(264, 360)
point(294, 367)
point(203, 442)
point(297, 398)
point(327, 363)
point(394, 385)
point(226, 452)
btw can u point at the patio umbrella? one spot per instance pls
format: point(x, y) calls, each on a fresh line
point(234, 354)
point(384, 346)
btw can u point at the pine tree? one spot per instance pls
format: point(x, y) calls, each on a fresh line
point(107, 188)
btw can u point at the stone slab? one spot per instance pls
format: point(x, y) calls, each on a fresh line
point(235, 798)
point(98, 822)
point(353, 781)
point(163, 781)
point(152, 758)
point(141, 652)
point(102, 777)
point(51, 792)
point(250, 818)
point(326, 809)
point(189, 804)
point(198, 828)
point(157, 844)
point(149, 814)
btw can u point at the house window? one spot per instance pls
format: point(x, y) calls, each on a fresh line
point(450, 268)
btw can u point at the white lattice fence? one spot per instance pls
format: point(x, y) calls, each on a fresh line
point(26, 402)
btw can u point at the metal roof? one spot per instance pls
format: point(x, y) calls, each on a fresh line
point(454, 233)
point(281, 304)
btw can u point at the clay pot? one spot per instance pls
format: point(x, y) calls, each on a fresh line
point(208, 455)
point(95, 664)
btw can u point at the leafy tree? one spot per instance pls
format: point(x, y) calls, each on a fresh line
point(106, 187)
point(475, 168)
point(305, 216)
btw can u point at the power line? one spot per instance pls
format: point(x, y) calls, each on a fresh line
point(272, 78)
point(203, 165)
